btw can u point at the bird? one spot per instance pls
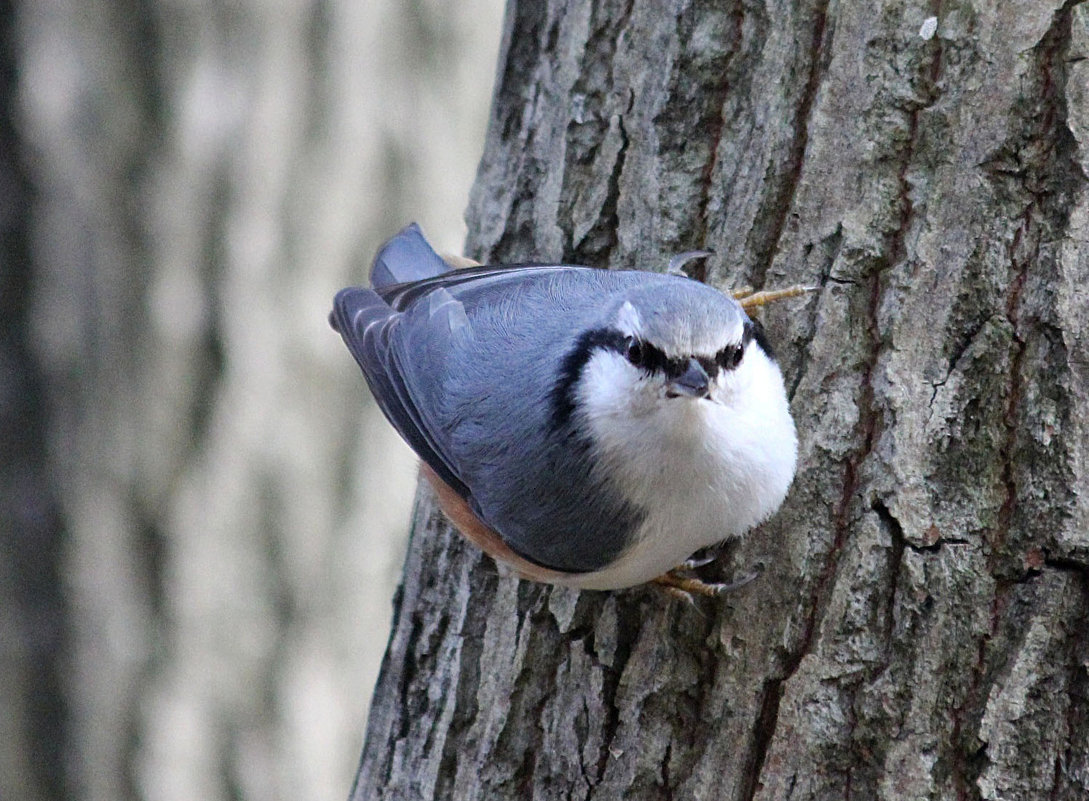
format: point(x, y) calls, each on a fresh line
point(587, 427)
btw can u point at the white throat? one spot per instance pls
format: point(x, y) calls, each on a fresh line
point(702, 469)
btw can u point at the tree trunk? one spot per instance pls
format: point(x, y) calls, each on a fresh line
point(920, 630)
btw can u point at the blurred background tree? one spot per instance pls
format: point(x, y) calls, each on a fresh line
point(201, 512)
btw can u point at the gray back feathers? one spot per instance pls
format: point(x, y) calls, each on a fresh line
point(469, 367)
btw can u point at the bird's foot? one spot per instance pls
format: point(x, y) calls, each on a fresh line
point(696, 562)
point(750, 299)
point(679, 582)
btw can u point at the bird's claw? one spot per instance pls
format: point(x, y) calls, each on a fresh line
point(678, 585)
point(687, 586)
point(752, 300)
point(695, 562)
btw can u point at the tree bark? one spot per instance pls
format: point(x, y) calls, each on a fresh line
point(920, 630)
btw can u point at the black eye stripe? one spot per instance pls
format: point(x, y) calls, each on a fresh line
point(748, 333)
point(755, 331)
point(648, 357)
point(653, 359)
point(730, 356)
point(644, 356)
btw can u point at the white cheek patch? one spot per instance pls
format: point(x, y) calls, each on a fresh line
point(605, 386)
point(615, 399)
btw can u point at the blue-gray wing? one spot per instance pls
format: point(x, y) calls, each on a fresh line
point(395, 354)
point(366, 323)
point(464, 365)
point(412, 339)
point(478, 370)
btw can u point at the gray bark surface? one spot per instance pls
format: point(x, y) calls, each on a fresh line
point(921, 629)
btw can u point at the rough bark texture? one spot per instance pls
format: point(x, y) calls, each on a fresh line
point(201, 516)
point(920, 631)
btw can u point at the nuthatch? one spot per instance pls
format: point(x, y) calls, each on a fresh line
point(591, 428)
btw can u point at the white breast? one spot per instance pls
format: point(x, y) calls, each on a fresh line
point(704, 470)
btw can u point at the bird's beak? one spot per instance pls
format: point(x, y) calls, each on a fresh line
point(693, 383)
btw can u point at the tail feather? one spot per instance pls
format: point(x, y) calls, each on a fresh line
point(404, 258)
point(354, 309)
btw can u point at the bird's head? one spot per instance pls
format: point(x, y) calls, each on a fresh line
point(665, 350)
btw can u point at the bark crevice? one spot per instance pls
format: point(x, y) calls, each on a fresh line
point(780, 200)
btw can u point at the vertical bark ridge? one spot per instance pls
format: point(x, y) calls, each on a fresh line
point(780, 198)
point(714, 137)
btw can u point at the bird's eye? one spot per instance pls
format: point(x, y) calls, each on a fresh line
point(634, 351)
point(730, 356)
